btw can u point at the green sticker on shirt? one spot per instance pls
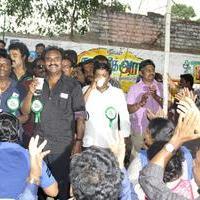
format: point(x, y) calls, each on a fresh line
point(37, 108)
point(13, 103)
point(111, 114)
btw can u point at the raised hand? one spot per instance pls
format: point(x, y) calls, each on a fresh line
point(36, 156)
point(185, 93)
point(188, 127)
point(143, 99)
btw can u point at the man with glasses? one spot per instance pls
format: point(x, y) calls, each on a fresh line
point(39, 68)
point(60, 102)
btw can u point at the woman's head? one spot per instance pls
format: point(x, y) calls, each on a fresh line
point(173, 169)
point(159, 129)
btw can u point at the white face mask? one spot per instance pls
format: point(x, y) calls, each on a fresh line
point(100, 82)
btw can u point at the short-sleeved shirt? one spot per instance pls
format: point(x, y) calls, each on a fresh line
point(104, 110)
point(139, 121)
point(11, 90)
point(15, 168)
point(22, 83)
point(58, 116)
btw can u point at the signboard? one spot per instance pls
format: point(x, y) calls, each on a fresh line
point(125, 65)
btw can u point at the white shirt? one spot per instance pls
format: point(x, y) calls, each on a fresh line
point(104, 109)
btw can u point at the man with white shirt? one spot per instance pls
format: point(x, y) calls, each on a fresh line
point(106, 107)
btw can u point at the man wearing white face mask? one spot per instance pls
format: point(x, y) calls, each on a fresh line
point(106, 107)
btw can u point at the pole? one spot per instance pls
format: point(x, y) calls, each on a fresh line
point(4, 24)
point(167, 51)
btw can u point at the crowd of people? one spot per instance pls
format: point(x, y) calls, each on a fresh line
point(67, 130)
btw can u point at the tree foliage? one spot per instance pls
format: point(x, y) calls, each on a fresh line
point(181, 11)
point(62, 16)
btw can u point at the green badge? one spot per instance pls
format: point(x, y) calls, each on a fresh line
point(13, 103)
point(37, 108)
point(111, 114)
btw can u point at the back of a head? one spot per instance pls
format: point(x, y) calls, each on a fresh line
point(173, 169)
point(14, 164)
point(161, 129)
point(95, 175)
point(9, 128)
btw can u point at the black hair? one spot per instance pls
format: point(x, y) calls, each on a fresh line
point(9, 128)
point(144, 63)
point(161, 129)
point(65, 57)
point(71, 56)
point(3, 53)
point(158, 77)
point(21, 47)
point(34, 64)
point(3, 42)
point(39, 45)
point(106, 66)
point(85, 62)
point(101, 58)
point(53, 48)
point(173, 169)
point(188, 78)
point(95, 174)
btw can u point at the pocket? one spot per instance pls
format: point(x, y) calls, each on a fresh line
point(63, 103)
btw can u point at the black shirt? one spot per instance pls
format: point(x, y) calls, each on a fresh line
point(58, 116)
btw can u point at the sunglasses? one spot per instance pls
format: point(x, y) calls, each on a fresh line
point(40, 66)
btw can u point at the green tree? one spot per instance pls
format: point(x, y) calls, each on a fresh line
point(181, 11)
point(64, 15)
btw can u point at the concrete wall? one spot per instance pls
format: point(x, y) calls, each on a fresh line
point(177, 60)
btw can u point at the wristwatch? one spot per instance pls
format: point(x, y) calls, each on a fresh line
point(170, 148)
point(34, 181)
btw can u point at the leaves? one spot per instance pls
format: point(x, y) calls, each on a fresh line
point(53, 17)
point(182, 11)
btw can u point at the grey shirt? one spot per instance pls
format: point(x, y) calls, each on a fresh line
point(151, 181)
point(60, 105)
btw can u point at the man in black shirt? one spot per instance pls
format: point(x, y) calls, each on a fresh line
point(60, 102)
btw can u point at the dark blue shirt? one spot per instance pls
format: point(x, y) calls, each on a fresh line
point(15, 168)
point(6, 95)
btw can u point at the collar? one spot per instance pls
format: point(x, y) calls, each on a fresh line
point(153, 82)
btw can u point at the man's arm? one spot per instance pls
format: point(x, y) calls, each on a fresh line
point(156, 95)
point(158, 99)
point(118, 148)
point(91, 87)
point(36, 157)
point(26, 105)
point(151, 177)
point(80, 129)
point(136, 106)
point(78, 106)
point(23, 118)
point(30, 192)
point(124, 115)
